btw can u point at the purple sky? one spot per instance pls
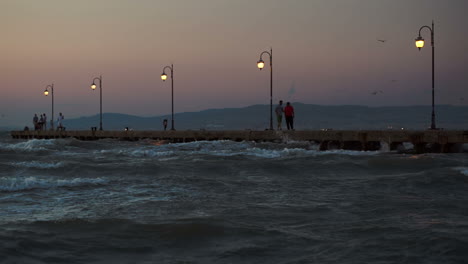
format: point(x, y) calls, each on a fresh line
point(324, 52)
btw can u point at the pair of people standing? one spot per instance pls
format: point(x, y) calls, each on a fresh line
point(288, 111)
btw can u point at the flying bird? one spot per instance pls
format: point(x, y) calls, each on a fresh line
point(382, 40)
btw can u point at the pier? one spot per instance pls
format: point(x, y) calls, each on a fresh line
point(439, 141)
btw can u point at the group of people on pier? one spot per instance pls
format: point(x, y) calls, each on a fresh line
point(288, 111)
point(40, 123)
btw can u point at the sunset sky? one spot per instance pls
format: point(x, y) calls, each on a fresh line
point(324, 52)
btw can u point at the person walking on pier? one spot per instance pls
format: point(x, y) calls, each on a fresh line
point(279, 113)
point(289, 114)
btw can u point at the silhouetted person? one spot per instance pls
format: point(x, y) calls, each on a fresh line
point(60, 121)
point(36, 122)
point(45, 122)
point(279, 113)
point(289, 114)
point(165, 124)
point(41, 122)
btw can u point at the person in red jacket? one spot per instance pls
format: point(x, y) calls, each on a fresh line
point(289, 114)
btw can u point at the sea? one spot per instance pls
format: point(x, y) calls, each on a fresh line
point(109, 201)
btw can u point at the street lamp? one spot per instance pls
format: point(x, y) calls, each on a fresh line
point(260, 65)
point(164, 77)
point(419, 41)
point(46, 93)
point(93, 86)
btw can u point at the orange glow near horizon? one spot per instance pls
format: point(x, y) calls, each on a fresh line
point(325, 53)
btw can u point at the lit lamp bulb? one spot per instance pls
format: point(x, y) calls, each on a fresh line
point(163, 76)
point(46, 92)
point(93, 86)
point(419, 42)
point(260, 64)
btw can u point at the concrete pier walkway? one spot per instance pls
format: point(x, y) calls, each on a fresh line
point(423, 141)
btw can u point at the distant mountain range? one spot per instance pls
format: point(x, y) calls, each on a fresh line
point(308, 116)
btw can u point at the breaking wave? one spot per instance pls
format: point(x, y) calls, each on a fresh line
point(229, 149)
point(30, 145)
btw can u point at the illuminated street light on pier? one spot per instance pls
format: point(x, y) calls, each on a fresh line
point(260, 65)
point(46, 93)
point(164, 78)
point(419, 41)
point(93, 86)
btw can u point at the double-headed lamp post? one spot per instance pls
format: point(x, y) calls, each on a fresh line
point(419, 44)
point(46, 93)
point(164, 77)
point(260, 65)
point(93, 86)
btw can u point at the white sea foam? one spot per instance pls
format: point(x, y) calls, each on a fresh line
point(150, 153)
point(38, 165)
point(138, 153)
point(30, 145)
point(210, 145)
point(225, 148)
point(229, 148)
point(33, 145)
point(286, 152)
point(26, 183)
point(349, 152)
point(289, 152)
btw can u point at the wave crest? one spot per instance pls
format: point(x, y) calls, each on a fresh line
point(27, 183)
point(37, 165)
point(230, 149)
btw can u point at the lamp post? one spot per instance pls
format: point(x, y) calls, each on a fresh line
point(46, 93)
point(419, 44)
point(260, 65)
point(93, 86)
point(164, 77)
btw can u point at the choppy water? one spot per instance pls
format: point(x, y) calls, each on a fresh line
point(70, 201)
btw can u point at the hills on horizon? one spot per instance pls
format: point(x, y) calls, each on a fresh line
point(308, 117)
